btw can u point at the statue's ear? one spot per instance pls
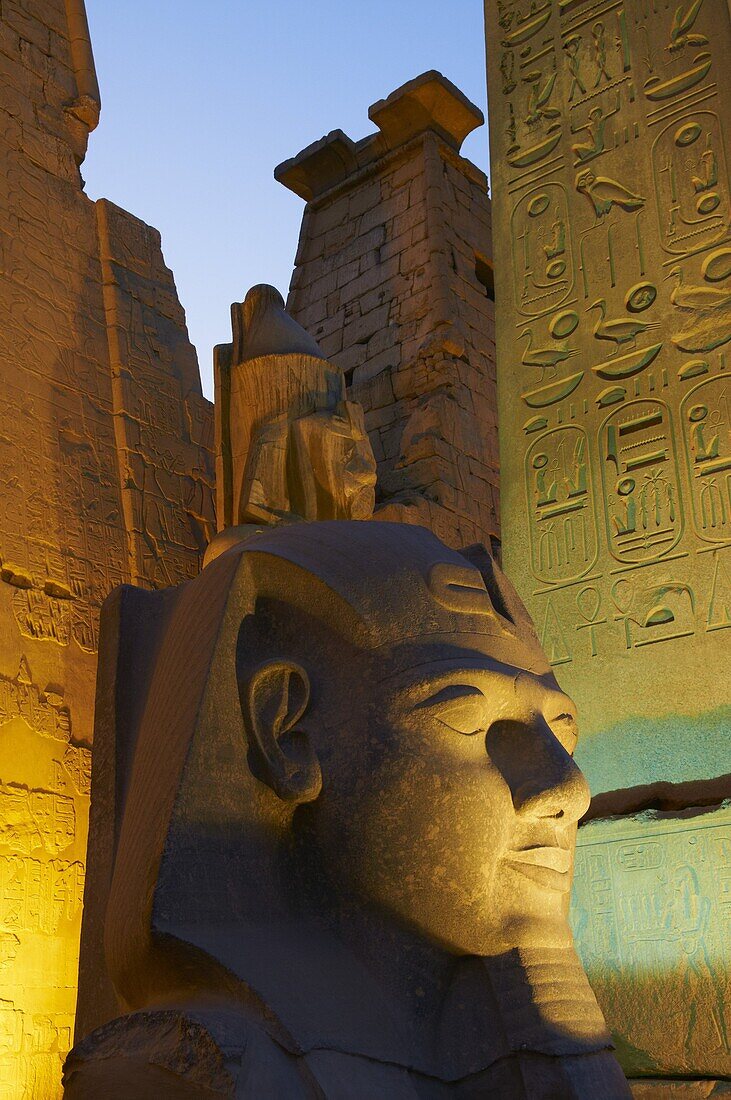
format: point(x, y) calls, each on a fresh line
point(273, 700)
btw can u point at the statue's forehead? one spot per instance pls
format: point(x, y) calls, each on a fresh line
point(441, 657)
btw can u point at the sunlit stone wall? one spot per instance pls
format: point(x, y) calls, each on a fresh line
point(105, 477)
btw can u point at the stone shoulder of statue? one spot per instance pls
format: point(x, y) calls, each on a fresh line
point(179, 1054)
point(206, 1053)
point(348, 831)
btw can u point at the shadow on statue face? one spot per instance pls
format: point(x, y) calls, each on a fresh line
point(445, 797)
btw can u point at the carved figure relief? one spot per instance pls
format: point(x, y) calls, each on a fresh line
point(653, 611)
point(561, 507)
point(621, 330)
point(624, 331)
point(60, 577)
point(604, 193)
point(599, 54)
point(545, 358)
point(644, 372)
point(706, 415)
point(542, 250)
point(527, 27)
point(704, 313)
point(538, 108)
point(642, 506)
point(573, 48)
point(42, 847)
point(653, 898)
point(691, 183)
point(507, 68)
point(682, 33)
point(534, 127)
point(595, 129)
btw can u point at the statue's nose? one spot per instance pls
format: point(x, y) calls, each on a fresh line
point(550, 785)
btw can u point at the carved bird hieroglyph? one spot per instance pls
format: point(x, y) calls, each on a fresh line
point(706, 314)
point(604, 193)
point(544, 358)
point(623, 330)
point(693, 298)
point(685, 17)
point(538, 97)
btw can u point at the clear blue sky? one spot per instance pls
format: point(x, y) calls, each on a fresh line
point(201, 100)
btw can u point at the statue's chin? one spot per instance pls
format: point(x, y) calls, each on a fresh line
point(548, 933)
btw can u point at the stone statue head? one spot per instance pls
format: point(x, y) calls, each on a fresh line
point(419, 726)
point(353, 780)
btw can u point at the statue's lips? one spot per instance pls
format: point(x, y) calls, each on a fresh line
point(556, 859)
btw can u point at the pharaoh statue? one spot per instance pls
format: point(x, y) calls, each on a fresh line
point(344, 849)
point(334, 801)
point(289, 444)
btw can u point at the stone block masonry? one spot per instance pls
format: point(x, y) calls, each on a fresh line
point(393, 278)
point(105, 477)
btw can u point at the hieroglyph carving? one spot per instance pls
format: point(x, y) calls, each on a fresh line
point(42, 855)
point(616, 268)
point(652, 905)
point(624, 345)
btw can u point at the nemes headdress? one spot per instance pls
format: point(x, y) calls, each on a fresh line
point(181, 751)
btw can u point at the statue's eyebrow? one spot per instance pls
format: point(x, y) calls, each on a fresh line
point(451, 693)
point(448, 669)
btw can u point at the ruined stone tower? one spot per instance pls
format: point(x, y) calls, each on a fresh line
point(393, 278)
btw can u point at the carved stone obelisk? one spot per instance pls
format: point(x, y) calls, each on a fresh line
point(609, 126)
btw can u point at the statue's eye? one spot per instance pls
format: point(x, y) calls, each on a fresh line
point(459, 707)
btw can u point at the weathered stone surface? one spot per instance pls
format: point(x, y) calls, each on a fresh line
point(394, 244)
point(613, 266)
point(652, 921)
point(654, 1088)
point(343, 838)
point(106, 476)
point(613, 258)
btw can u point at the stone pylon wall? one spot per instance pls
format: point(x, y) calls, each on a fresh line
point(105, 477)
point(395, 240)
point(609, 126)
